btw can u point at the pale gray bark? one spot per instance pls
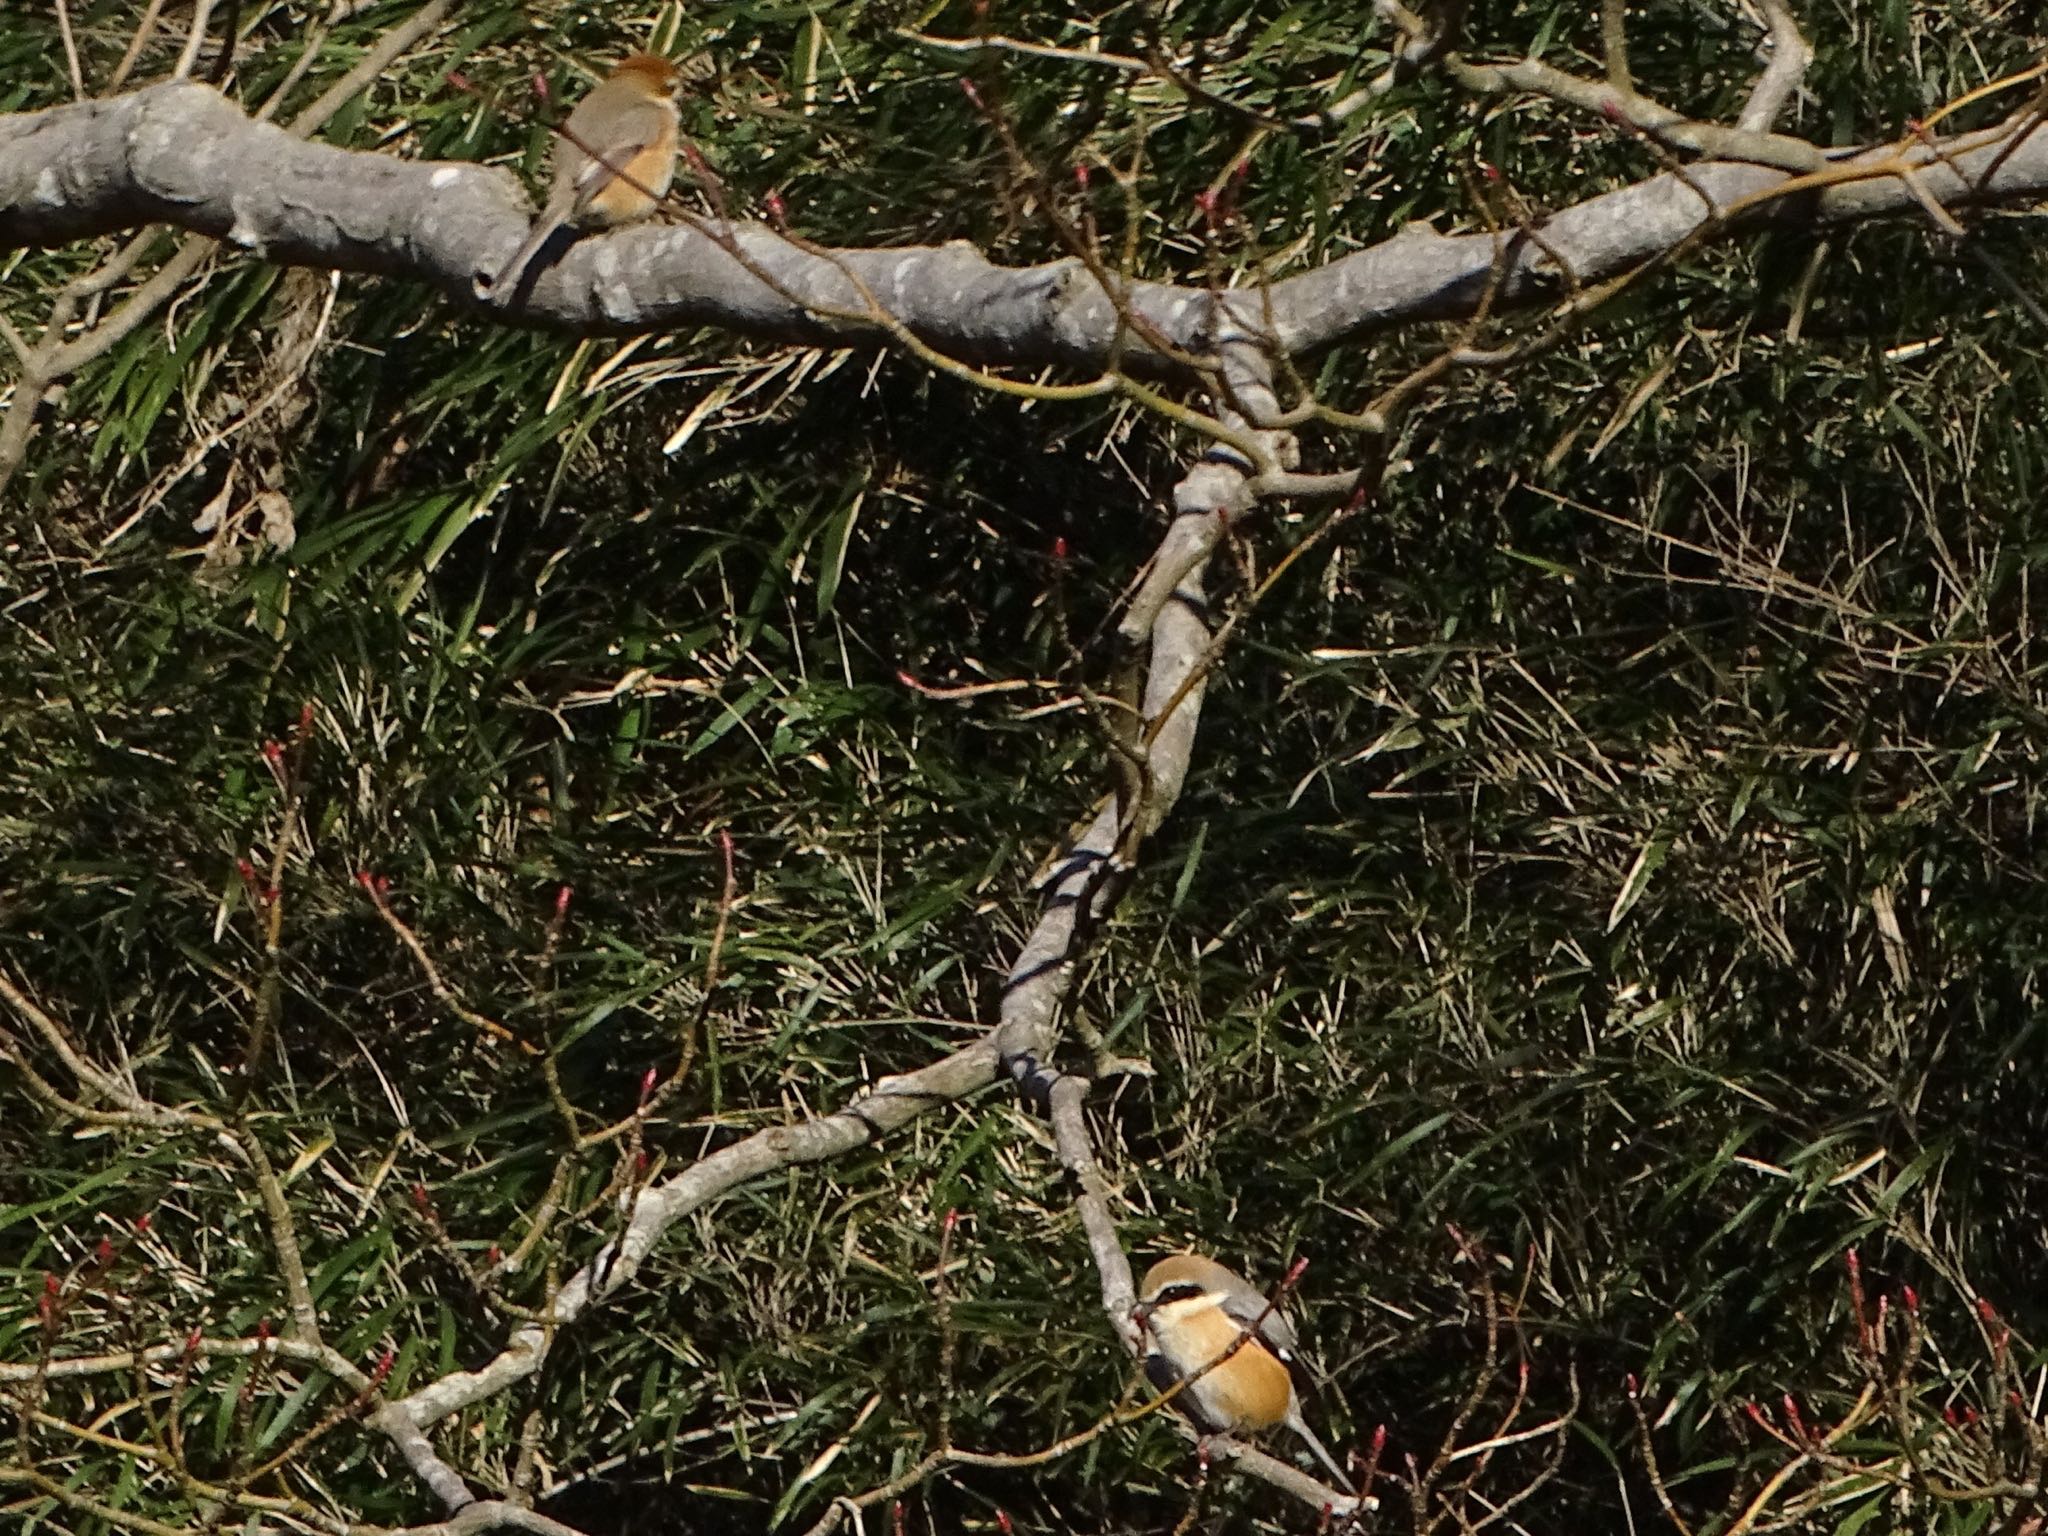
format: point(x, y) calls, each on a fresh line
point(181, 154)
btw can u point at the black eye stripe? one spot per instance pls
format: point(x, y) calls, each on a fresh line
point(1180, 1290)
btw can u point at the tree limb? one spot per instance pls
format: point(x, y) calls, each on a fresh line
point(182, 154)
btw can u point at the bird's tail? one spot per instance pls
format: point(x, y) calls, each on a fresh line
point(1322, 1455)
point(513, 271)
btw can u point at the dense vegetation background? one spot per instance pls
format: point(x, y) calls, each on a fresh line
point(1623, 847)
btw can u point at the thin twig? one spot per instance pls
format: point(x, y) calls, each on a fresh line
point(70, 50)
point(195, 39)
point(145, 29)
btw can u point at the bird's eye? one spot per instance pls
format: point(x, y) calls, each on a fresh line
point(1182, 1291)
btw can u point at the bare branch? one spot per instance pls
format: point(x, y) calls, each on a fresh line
point(195, 38)
point(1422, 275)
point(181, 154)
point(55, 357)
point(70, 49)
point(1614, 44)
point(284, 1235)
point(145, 29)
point(1624, 104)
point(891, 1103)
point(1776, 86)
point(1423, 41)
point(107, 1085)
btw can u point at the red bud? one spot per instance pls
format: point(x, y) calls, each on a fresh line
point(1792, 1416)
point(142, 1222)
point(104, 1253)
point(1490, 171)
point(562, 902)
point(459, 80)
point(1379, 1441)
point(263, 1330)
point(1986, 1311)
point(366, 880)
point(494, 1255)
point(1003, 1522)
point(384, 1363)
point(973, 94)
point(1295, 1272)
point(952, 1220)
point(647, 1081)
point(1912, 1299)
point(419, 1197)
point(1629, 1381)
point(382, 885)
point(274, 750)
point(246, 870)
point(1059, 547)
point(192, 1341)
point(642, 1162)
point(540, 87)
point(52, 1286)
point(778, 212)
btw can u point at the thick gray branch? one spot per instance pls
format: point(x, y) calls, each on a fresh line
point(181, 154)
point(1420, 275)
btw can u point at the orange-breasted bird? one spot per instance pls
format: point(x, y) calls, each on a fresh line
point(614, 160)
point(1192, 1311)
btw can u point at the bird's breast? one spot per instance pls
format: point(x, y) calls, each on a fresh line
point(1250, 1390)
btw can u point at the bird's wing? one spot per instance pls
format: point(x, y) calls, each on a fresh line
point(639, 127)
point(593, 176)
point(1160, 1372)
point(1250, 1311)
point(1278, 1335)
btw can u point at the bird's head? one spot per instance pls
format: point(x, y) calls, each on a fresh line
point(1182, 1283)
point(650, 71)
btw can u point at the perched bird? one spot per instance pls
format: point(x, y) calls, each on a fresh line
point(614, 158)
point(1192, 1311)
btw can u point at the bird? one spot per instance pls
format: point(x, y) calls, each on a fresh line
point(614, 158)
point(1192, 1311)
